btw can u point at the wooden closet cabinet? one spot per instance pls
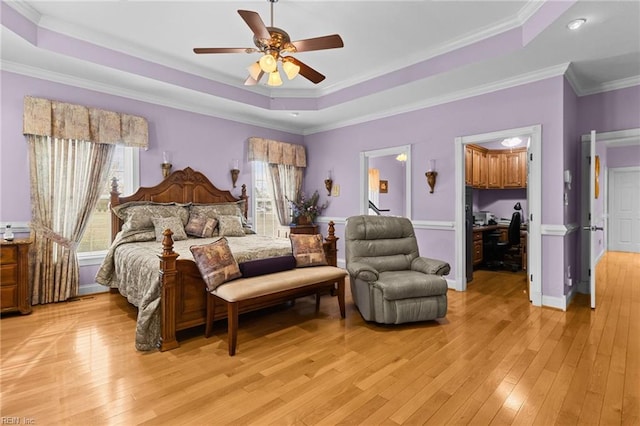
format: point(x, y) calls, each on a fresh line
point(479, 168)
point(515, 169)
point(494, 166)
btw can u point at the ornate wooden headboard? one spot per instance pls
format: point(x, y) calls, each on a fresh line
point(181, 186)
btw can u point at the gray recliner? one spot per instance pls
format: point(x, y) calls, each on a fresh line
point(390, 282)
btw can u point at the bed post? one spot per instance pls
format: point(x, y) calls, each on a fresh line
point(331, 245)
point(168, 273)
point(245, 197)
point(114, 201)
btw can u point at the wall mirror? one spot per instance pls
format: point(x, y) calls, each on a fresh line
point(385, 181)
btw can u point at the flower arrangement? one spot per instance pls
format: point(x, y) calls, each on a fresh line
point(306, 208)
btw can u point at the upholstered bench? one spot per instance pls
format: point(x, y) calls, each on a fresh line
point(246, 294)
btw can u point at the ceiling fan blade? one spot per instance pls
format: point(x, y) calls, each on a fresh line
point(254, 21)
point(319, 43)
point(222, 50)
point(250, 81)
point(307, 72)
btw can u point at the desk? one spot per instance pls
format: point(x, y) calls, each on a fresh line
point(479, 233)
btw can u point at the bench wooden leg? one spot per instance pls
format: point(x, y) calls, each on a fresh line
point(341, 297)
point(211, 311)
point(232, 320)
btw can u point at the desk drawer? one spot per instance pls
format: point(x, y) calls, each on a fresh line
point(8, 254)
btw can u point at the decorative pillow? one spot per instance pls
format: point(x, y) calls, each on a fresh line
point(230, 226)
point(269, 265)
point(215, 263)
point(201, 227)
point(137, 215)
point(173, 223)
point(307, 249)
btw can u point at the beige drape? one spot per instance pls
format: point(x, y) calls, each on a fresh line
point(274, 152)
point(286, 163)
point(44, 117)
point(70, 150)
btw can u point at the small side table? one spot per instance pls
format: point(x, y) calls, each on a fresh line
point(303, 229)
point(14, 268)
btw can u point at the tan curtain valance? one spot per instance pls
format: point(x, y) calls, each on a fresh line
point(275, 152)
point(44, 117)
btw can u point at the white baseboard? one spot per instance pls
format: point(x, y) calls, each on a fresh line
point(557, 302)
point(92, 289)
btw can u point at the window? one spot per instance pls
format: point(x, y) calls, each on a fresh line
point(265, 218)
point(125, 167)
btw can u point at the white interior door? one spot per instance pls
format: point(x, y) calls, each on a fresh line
point(587, 219)
point(624, 209)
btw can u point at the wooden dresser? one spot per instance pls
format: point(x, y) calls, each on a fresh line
point(14, 276)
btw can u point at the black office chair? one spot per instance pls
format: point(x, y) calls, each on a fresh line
point(500, 249)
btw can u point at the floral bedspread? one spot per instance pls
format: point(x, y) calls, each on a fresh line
point(132, 266)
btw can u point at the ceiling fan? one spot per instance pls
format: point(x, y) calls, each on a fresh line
point(275, 45)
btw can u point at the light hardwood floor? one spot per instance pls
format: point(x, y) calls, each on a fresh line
point(495, 359)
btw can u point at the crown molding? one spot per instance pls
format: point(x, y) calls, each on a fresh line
point(170, 102)
point(26, 10)
point(611, 85)
point(531, 77)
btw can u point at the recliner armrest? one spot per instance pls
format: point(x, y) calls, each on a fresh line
point(362, 271)
point(430, 266)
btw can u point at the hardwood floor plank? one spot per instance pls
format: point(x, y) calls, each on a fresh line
point(494, 359)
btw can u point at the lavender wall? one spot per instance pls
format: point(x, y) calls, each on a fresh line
point(199, 141)
point(500, 202)
point(623, 156)
point(572, 149)
point(205, 143)
point(431, 132)
point(609, 111)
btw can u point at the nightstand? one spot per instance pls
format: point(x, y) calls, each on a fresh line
point(14, 276)
point(303, 229)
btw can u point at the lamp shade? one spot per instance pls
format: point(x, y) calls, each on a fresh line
point(290, 69)
point(268, 63)
point(274, 78)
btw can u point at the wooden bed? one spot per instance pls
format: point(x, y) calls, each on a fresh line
point(183, 295)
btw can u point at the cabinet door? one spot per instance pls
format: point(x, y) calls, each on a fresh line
point(484, 170)
point(513, 170)
point(494, 164)
point(479, 175)
point(468, 165)
point(523, 168)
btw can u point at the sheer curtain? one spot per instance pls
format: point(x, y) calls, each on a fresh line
point(70, 149)
point(67, 177)
point(286, 164)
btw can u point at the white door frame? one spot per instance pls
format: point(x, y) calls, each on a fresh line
point(364, 175)
point(534, 185)
point(610, 139)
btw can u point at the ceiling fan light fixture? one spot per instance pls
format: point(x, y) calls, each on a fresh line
point(268, 63)
point(290, 69)
point(255, 70)
point(511, 142)
point(274, 78)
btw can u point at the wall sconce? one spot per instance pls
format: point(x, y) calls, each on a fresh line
point(166, 164)
point(235, 171)
point(431, 175)
point(328, 183)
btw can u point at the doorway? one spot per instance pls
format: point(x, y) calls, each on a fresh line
point(534, 238)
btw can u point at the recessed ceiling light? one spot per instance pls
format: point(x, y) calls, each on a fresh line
point(295, 114)
point(576, 23)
